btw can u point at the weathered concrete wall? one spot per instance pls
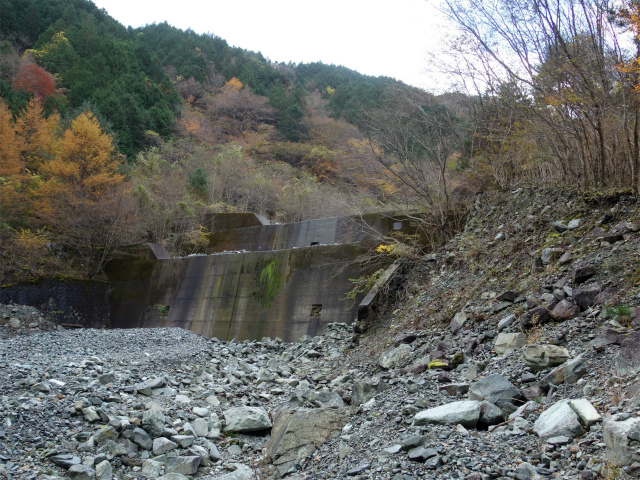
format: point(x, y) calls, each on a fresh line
point(283, 293)
point(322, 231)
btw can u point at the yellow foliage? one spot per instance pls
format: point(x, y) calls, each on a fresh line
point(31, 242)
point(386, 249)
point(330, 90)
point(233, 84)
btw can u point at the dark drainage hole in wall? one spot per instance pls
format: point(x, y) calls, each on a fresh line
point(315, 310)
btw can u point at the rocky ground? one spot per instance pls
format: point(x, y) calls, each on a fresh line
point(511, 353)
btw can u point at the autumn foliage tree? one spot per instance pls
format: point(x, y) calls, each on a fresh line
point(83, 199)
point(34, 79)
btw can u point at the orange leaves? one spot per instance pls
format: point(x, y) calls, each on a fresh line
point(83, 168)
point(34, 79)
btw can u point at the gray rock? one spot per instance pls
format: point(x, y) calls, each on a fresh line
point(458, 321)
point(569, 372)
point(455, 389)
point(586, 412)
point(581, 274)
point(242, 472)
point(627, 362)
point(585, 296)
point(81, 472)
point(152, 468)
point(465, 412)
point(543, 356)
point(365, 390)
point(104, 471)
point(173, 476)
point(495, 389)
point(295, 434)
point(559, 419)
point(201, 426)
point(421, 454)
point(506, 322)
point(142, 438)
point(163, 445)
point(246, 419)
point(153, 422)
point(616, 437)
point(396, 358)
point(508, 342)
point(66, 460)
point(183, 465)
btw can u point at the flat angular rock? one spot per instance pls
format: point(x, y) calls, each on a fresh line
point(187, 465)
point(396, 358)
point(506, 322)
point(581, 274)
point(627, 362)
point(246, 419)
point(508, 342)
point(559, 419)
point(105, 434)
point(81, 472)
point(421, 454)
point(296, 433)
point(163, 445)
point(586, 411)
point(543, 356)
point(569, 372)
point(495, 389)
point(458, 321)
point(464, 412)
point(66, 460)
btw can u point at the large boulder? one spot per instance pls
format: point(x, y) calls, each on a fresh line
point(398, 357)
point(559, 419)
point(295, 434)
point(543, 356)
point(508, 342)
point(586, 295)
point(627, 362)
point(464, 412)
point(616, 437)
point(246, 419)
point(495, 389)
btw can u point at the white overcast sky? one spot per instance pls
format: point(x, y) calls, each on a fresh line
point(374, 37)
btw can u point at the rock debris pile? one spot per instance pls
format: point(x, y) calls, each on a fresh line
point(534, 374)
